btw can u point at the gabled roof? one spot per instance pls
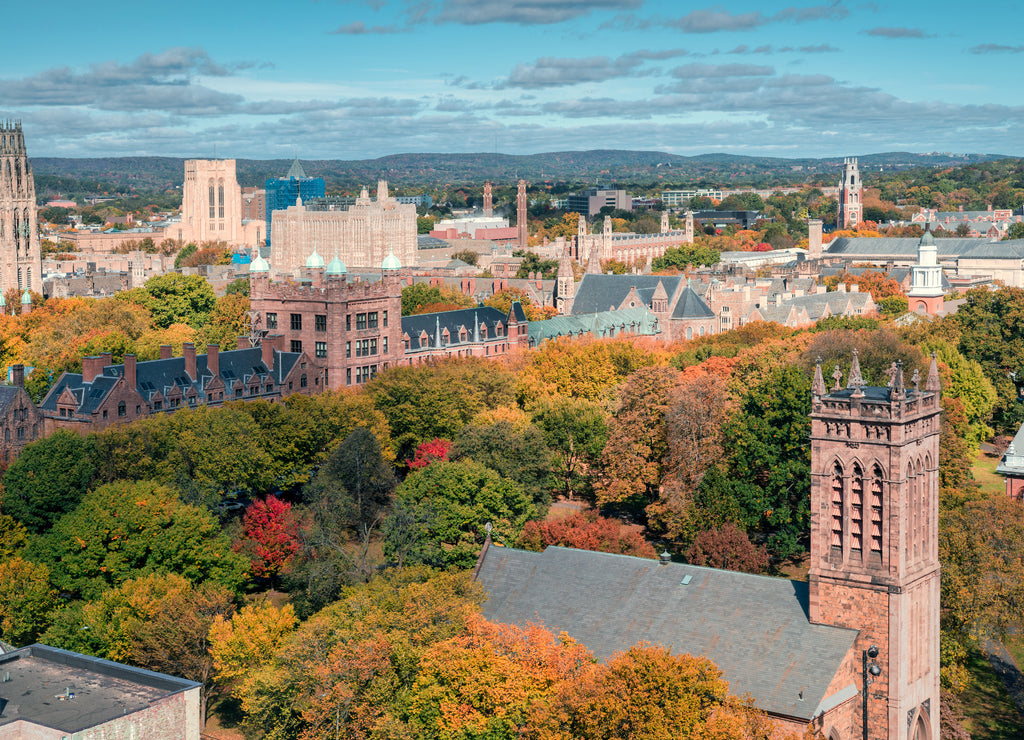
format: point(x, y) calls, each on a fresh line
point(434, 324)
point(8, 394)
point(755, 628)
point(603, 292)
point(691, 306)
point(600, 324)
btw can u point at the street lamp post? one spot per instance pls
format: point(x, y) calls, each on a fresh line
point(869, 671)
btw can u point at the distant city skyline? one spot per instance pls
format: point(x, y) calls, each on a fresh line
point(357, 79)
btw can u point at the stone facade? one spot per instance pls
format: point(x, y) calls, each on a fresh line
point(20, 254)
point(20, 420)
point(362, 236)
point(638, 250)
point(352, 330)
point(874, 541)
point(851, 206)
point(211, 202)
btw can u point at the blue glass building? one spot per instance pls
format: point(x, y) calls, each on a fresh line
point(283, 191)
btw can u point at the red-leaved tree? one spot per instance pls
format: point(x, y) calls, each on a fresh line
point(727, 548)
point(428, 452)
point(271, 535)
point(586, 531)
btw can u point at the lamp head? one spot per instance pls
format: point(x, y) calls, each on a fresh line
point(874, 669)
point(873, 652)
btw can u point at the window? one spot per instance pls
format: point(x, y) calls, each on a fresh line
point(497, 331)
point(296, 322)
point(296, 345)
point(321, 349)
point(348, 322)
point(837, 509)
point(63, 412)
point(138, 410)
point(158, 405)
point(20, 432)
point(192, 400)
point(7, 435)
point(384, 347)
point(348, 349)
point(371, 320)
point(320, 322)
point(302, 381)
point(122, 410)
point(238, 392)
point(348, 376)
point(271, 320)
point(360, 321)
point(385, 321)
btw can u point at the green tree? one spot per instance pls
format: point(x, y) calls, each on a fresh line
point(179, 299)
point(422, 298)
point(575, 431)
point(27, 601)
point(48, 479)
point(517, 453)
point(455, 501)
point(126, 530)
point(686, 255)
point(767, 443)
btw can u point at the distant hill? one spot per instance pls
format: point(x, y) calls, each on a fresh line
point(604, 167)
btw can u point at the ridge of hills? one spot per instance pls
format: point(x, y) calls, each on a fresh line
point(599, 166)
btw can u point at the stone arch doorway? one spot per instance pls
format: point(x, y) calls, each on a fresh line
point(921, 730)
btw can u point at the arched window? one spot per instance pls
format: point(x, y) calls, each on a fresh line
point(121, 409)
point(689, 332)
point(922, 511)
point(876, 510)
point(837, 509)
point(857, 511)
point(912, 505)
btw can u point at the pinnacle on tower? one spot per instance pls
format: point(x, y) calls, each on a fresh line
point(818, 384)
point(856, 379)
point(932, 383)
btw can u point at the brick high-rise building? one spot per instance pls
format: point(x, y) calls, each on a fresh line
point(874, 540)
point(351, 329)
point(20, 254)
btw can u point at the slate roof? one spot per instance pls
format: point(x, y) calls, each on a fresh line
point(7, 395)
point(628, 320)
point(836, 302)
point(1013, 249)
point(163, 375)
point(1013, 459)
point(755, 628)
point(100, 690)
point(434, 325)
point(691, 306)
point(899, 247)
point(596, 293)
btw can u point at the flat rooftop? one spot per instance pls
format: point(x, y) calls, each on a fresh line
point(71, 692)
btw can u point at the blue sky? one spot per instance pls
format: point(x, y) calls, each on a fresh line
point(360, 79)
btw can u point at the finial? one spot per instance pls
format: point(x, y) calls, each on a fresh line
point(856, 380)
point(898, 391)
point(818, 384)
point(892, 375)
point(838, 376)
point(932, 383)
point(916, 380)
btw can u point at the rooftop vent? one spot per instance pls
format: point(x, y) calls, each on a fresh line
point(665, 558)
point(686, 581)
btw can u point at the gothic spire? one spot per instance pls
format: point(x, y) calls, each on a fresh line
point(856, 379)
point(818, 385)
point(932, 384)
point(898, 389)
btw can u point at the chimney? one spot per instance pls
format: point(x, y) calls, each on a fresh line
point(213, 358)
point(270, 343)
point(18, 375)
point(105, 359)
point(166, 352)
point(244, 343)
point(854, 288)
point(129, 371)
point(840, 287)
point(189, 350)
point(91, 367)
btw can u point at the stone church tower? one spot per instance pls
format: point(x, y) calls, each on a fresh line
point(522, 227)
point(851, 209)
point(874, 541)
point(20, 255)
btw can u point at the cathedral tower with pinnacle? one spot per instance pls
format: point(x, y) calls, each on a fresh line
point(874, 540)
point(20, 254)
point(851, 209)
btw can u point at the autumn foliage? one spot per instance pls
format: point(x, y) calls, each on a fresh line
point(428, 452)
point(586, 531)
point(272, 536)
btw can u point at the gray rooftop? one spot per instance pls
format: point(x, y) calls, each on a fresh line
point(607, 292)
point(601, 324)
point(1012, 462)
point(900, 247)
point(755, 628)
point(70, 692)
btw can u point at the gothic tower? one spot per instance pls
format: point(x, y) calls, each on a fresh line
point(565, 285)
point(689, 228)
point(488, 200)
point(851, 209)
point(521, 217)
point(21, 264)
point(211, 202)
point(874, 540)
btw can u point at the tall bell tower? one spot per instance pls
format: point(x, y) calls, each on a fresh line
point(21, 264)
point(874, 539)
point(851, 209)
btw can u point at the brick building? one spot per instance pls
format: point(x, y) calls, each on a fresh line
point(352, 330)
point(20, 420)
point(800, 649)
point(53, 694)
point(104, 394)
point(469, 332)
